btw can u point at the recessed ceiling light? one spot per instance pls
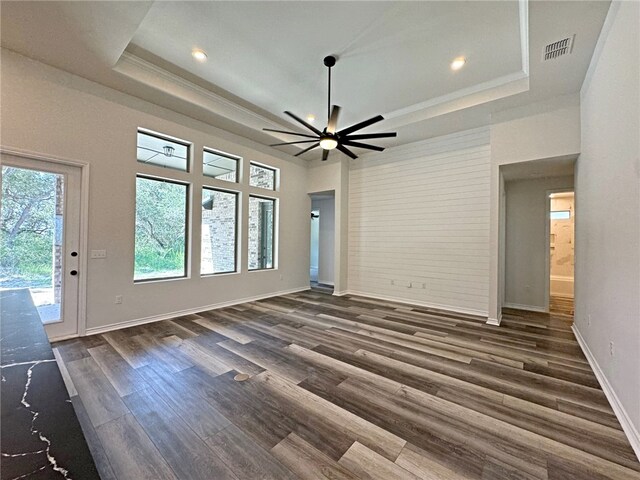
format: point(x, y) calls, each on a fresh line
point(458, 63)
point(199, 55)
point(311, 118)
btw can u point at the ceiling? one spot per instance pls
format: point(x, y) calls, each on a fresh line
point(544, 168)
point(266, 57)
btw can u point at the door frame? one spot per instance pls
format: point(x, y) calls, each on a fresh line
point(83, 228)
point(547, 236)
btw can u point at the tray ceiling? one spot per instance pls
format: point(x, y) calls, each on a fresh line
point(266, 57)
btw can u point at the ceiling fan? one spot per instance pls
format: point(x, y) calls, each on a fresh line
point(330, 138)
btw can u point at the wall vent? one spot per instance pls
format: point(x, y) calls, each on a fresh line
point(558, 48)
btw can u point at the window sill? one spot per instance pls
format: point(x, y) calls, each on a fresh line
point(272, 269)
point(222, 274)
point(159, 280)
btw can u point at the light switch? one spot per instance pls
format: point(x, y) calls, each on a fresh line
point(98, 254)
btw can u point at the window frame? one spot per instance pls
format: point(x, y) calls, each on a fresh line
point(276, 176)
point(187, 228)
point(230, 156)
point(169, 138)
point(560, 211)
point(274, 230)
point(236, 246)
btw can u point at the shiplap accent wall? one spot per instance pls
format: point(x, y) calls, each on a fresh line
point(419, 222)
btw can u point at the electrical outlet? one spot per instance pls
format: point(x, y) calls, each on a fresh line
point(589, 320)
point(281, 277)
point(118, 299)
point(611, 348)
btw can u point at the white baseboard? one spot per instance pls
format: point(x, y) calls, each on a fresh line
point(495, 321)
point(529, 308)
point(340, 293)
point(628, 427)
point(417, 303)
point(166, 316)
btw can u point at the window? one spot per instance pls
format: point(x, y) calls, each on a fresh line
point(262, 177)
point(561, 215)
point(219, 231)
point(221, 166)
point(161, 225)
point(261, 232)
point(161, 151)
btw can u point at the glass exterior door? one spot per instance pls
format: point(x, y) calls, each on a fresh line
point(39, 238)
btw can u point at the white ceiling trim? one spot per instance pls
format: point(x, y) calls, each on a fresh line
point(523, 10)
point(171, 84)
point(485, 92)
point(160, 79)
point(489, 91)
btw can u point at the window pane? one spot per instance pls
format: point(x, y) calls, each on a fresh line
point(161, 213)
point(31, 236)
point(219, 239)
point(261, 232)
point(162, 152)
point(262, 177)
point(561, 215)
point(220, 166)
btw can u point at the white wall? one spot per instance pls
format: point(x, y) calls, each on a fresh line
point(526, 247)
point(419, 217)
point(541, 130)
point(333, 176)
point(607, 273)
point(544, 130)
point(51, 112)
point(326, 239)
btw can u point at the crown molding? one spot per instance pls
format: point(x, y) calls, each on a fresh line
point(175, 86)
point(160, 79)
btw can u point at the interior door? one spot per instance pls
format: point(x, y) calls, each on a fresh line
point(40, 238)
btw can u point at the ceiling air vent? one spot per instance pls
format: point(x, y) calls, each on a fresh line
point(558, 49)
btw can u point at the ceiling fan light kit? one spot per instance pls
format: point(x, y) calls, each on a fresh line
point(330, 138)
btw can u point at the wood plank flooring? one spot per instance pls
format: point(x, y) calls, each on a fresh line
point(561, 305)
point(344, 388)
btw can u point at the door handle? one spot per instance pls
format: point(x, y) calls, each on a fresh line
point(73, 272)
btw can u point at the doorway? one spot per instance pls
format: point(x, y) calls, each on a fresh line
point(315, 247)
point(322, 247)
point(561, 252)
point(40, 238)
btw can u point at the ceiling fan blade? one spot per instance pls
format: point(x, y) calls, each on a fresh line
point(364, 136)
point(307, 149)
point(293, 143)
point(299, 120)
point(361, 145)
point(333, 119)
point(325, 155)
point(347, 152)
point(361, 125)
point(288, 133)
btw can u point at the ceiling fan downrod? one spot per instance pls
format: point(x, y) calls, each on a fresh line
point(329, 61)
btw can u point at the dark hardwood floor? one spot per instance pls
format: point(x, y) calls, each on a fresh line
point(344, 388)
